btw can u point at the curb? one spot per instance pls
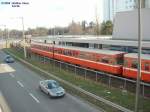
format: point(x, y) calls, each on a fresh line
point(3, 104)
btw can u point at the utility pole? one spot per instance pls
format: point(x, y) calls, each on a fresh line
point(4, 34)
point(24, 46)
point(139, 58)
point(23, 35)
point(143, 3)
point(8, 38)
point(54, 31)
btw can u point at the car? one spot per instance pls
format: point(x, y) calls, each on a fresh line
point(9, 59)
point(52, 88)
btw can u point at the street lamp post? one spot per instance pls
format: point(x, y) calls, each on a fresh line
point(23, 35)
point(8, 38)
point(139, 57)
point(4, 34)
point(24, 39)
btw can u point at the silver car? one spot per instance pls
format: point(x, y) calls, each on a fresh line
point(52, 88)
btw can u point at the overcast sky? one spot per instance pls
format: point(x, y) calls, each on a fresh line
point(49, 13)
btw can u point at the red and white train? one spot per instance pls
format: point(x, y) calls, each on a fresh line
point(114, 62)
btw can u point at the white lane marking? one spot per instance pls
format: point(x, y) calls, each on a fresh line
point(12, 75)
point(20, 83)
point(34, 97)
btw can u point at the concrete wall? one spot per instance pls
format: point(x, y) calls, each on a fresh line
point(126, 25)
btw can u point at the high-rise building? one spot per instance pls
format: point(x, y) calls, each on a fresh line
point(111, 7)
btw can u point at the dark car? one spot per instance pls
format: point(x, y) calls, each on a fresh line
point(9, 59)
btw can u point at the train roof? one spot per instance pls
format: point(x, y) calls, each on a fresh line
point(100, 51)
point(135, 55)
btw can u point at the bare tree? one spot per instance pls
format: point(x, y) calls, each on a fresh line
point(75, 28)
point(39, 31)
point(97, 26)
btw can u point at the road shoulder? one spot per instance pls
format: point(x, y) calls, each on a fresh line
point(3, 104)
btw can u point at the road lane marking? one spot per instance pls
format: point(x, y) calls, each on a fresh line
point(12, 75)
point(34, 97)
point(20, 83)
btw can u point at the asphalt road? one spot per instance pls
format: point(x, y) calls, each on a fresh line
point(20, 89)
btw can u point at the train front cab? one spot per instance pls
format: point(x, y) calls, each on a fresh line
point(131, 64)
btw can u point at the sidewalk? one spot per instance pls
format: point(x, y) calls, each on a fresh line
point(3, 104)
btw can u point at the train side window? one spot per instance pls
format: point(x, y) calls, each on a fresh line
point(60, 51)
point(51, 49)
point(48, 48)
point(147, 67)
point(65, 52)
point(120, 60)
point(134, 64)
point(125, 63)
point(69, 53)
point(113, 62)
point(82, 55)
point(105, 60)
point(45, 48)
